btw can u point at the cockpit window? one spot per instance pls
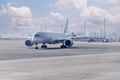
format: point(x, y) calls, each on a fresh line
point(37, 35)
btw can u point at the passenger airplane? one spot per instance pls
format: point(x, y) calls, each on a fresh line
point(50, 38)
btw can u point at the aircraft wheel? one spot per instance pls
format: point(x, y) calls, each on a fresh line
point(36, 47)
point(65, 47)
point(44, 46)
point(62, 46)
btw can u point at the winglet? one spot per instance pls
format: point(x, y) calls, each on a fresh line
point(66, 26)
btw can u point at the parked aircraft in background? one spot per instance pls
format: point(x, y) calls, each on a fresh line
point(50, 38)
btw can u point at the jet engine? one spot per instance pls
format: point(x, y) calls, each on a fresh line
point(68, 43)
point(28, 43)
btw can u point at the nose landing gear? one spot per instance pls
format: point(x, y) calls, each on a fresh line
point(36, 46)
point(43, 46)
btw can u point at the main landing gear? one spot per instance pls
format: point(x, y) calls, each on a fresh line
point(63, 46)
point(42, 46)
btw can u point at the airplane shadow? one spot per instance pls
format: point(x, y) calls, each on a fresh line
point(58, 48)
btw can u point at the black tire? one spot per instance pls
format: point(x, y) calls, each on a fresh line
point(65, 47)
point(45, 46)
point(62, 46)
point(42, 46)
point(36, 47)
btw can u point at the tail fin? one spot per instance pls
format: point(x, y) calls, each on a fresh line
point(66, 26)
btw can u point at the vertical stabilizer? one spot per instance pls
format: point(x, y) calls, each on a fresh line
point(66, 26)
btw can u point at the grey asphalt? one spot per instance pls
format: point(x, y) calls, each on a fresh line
point(15, 49)
point(84, 61)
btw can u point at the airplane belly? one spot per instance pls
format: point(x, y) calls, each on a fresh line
point(47, 40)
point(42, 40)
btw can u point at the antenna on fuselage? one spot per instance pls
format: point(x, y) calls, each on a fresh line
point(66, 26)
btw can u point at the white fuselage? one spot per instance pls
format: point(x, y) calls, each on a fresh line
point(48, 37)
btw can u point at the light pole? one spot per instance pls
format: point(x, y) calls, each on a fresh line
point(84, 29)
point(104, 28)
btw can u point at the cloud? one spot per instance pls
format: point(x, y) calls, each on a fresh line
point(80, 4)
point(63, 4)
point(70, 4)
point(57, 15)
point(109, 1)
point(21, 17)
point(54, 21)
point(114, 10)
point(78, 11)
point(69, 7)
point(94, 14)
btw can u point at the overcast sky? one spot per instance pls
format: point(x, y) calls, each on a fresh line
point(20, 16)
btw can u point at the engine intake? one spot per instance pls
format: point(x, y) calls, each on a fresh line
point(28, 43)
point(68, 43)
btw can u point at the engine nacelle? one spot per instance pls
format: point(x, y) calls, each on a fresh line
point(68, 43)
point(28, 43)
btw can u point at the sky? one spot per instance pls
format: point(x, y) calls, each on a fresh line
point(27, 16)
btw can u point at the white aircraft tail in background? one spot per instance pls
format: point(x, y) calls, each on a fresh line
point(50, 38)
point(66, 26)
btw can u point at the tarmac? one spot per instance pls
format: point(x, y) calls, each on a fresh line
point(83, 61)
